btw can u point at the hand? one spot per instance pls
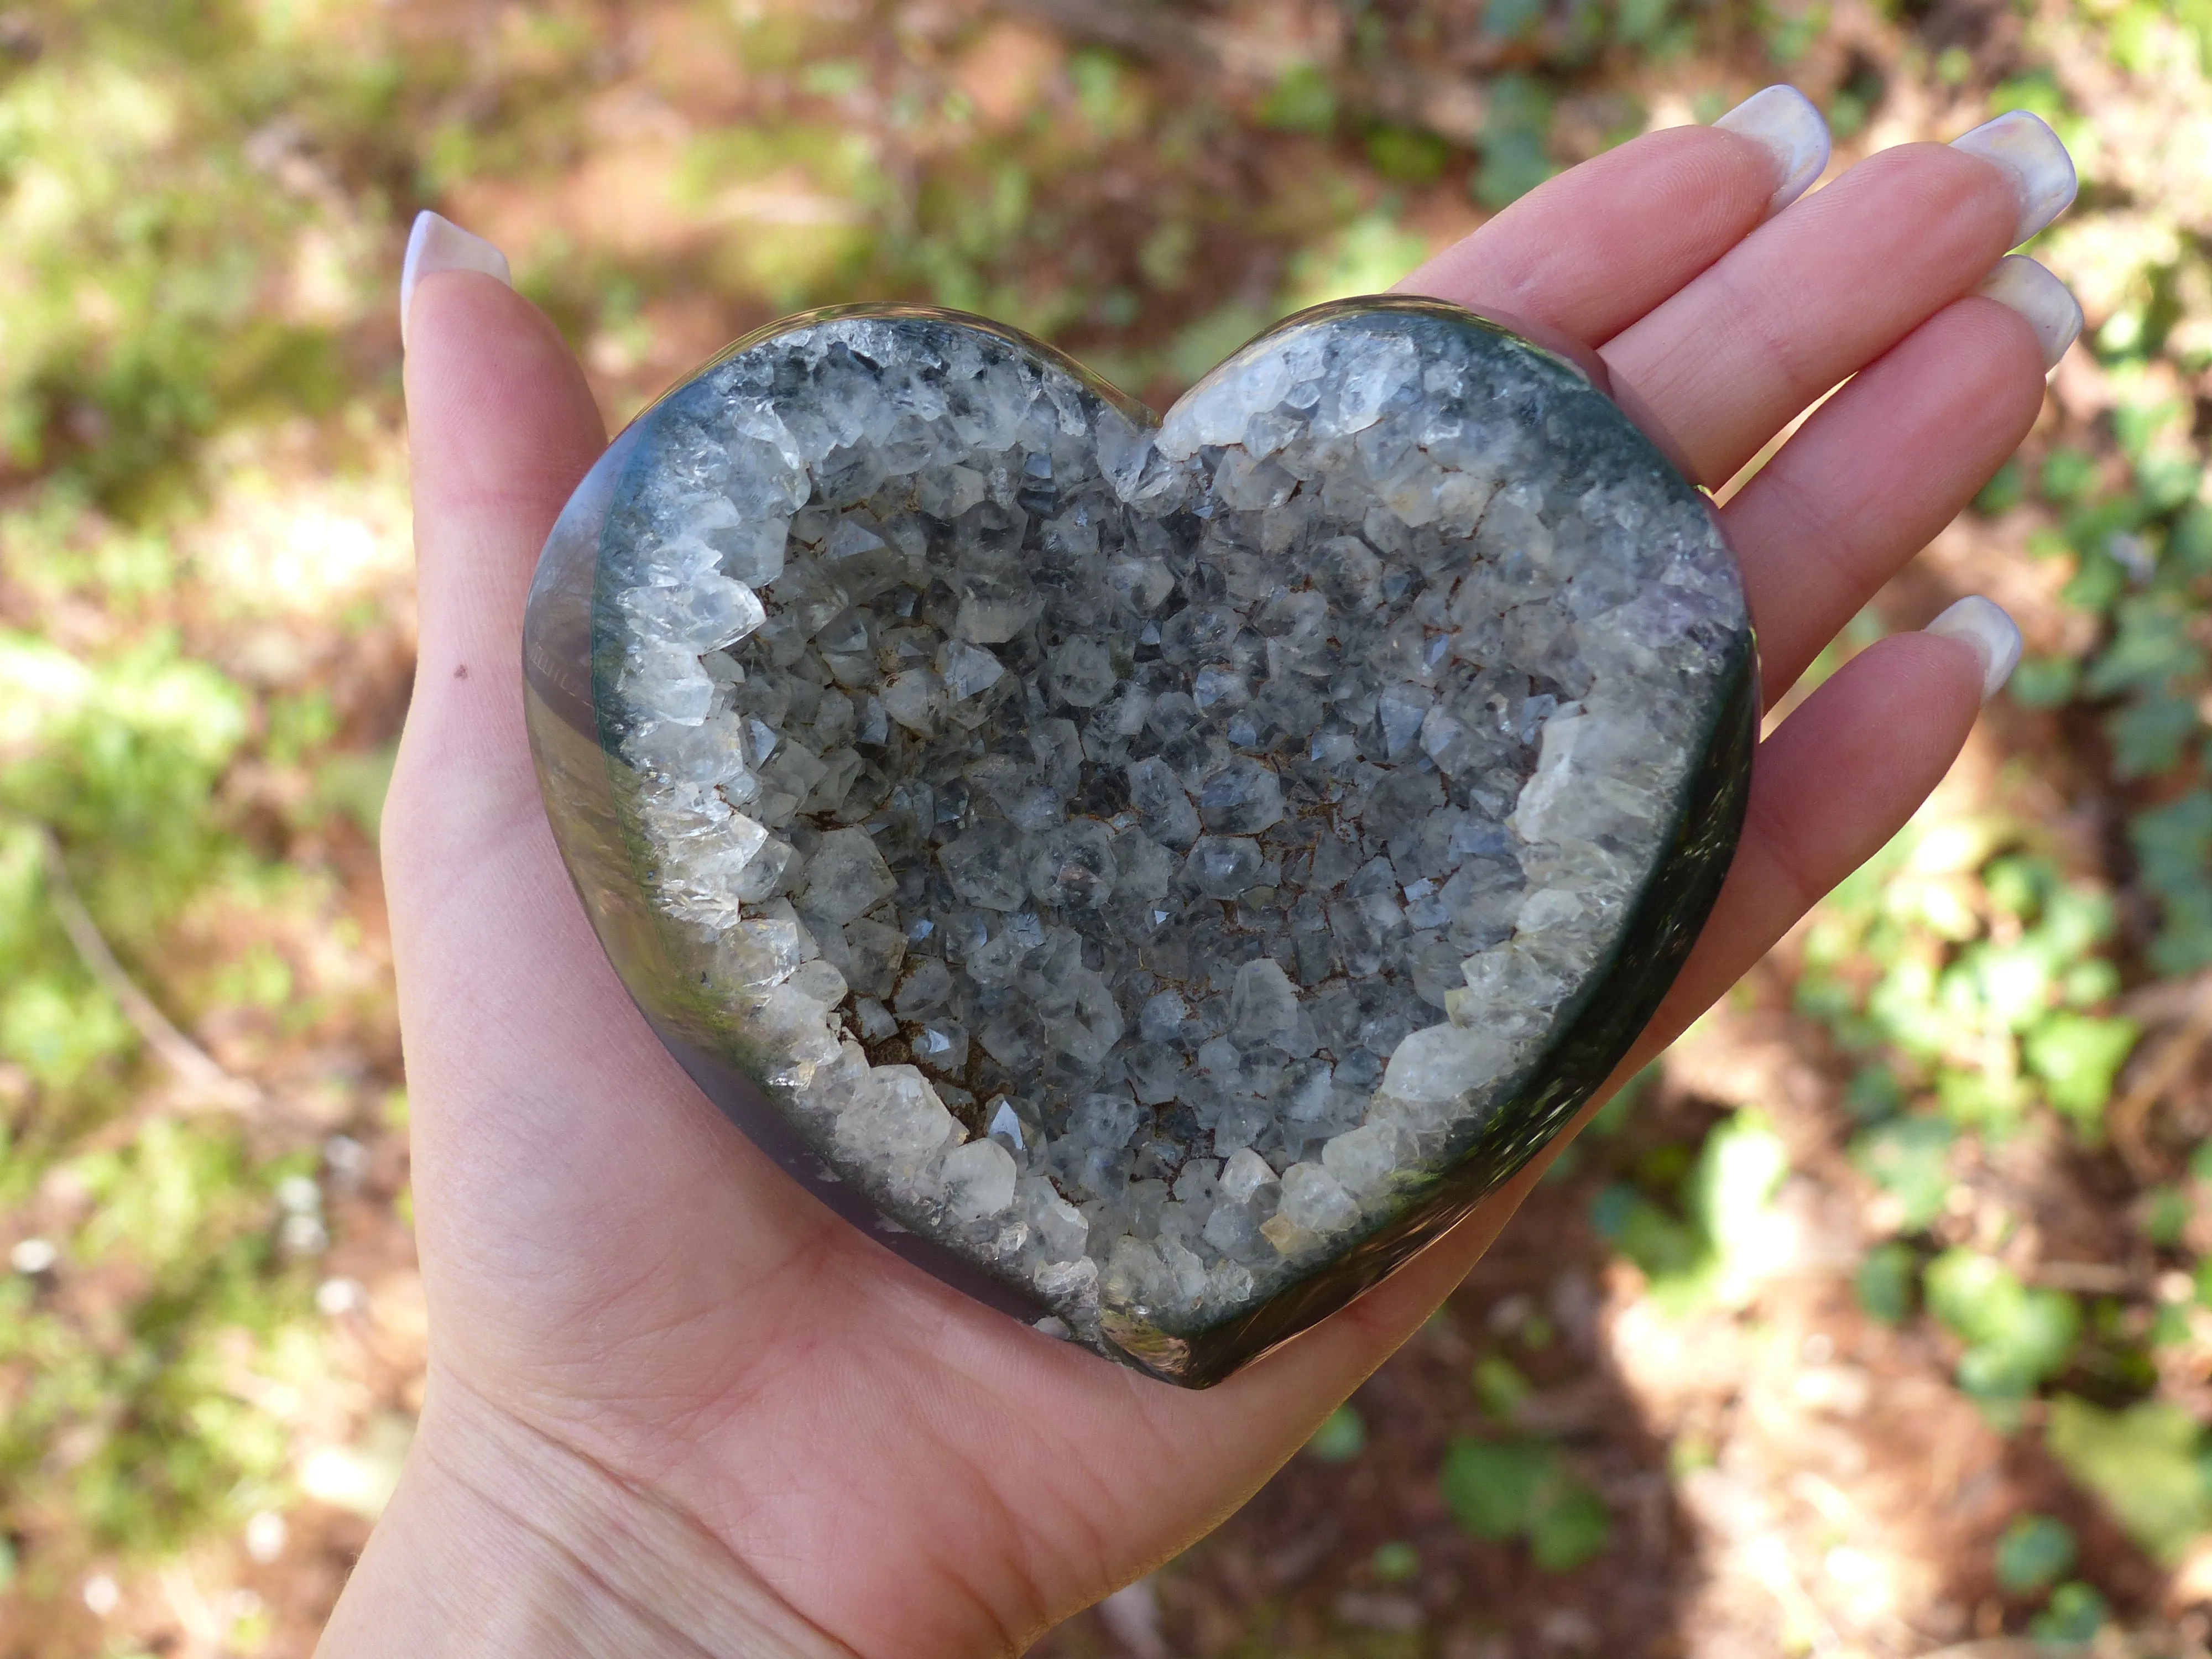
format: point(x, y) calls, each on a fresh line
point(673, 1404)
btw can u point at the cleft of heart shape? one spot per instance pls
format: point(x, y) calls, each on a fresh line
point(1155, 876)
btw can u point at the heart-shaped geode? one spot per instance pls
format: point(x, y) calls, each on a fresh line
point(1157, 877)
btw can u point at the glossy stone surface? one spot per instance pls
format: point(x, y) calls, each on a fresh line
point(1156, 877)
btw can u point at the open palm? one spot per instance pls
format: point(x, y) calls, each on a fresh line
point(672, 1401)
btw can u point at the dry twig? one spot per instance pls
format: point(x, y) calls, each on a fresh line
point(2158, 1076)
point(195, 1068)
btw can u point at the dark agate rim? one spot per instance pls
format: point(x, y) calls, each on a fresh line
point(1613, 1009)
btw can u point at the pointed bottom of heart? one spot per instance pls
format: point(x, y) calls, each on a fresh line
point(1154, 877)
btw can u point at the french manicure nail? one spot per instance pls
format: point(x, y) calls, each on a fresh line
point(1982, 625)
point(438, 244)
point(2041, 171)
point(1784, 120)
point(2048, 304)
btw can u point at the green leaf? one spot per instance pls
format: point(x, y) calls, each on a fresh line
point(1407, 154)
point(1574, 1527)
point(2189, 544)
point(2043, 682)
point(2077, 1056)
point(2068, 475)
point(2076, 1612)
point(1884, 1282)
point(1500, 1386)
point(2151, 646)
point(2149, 733)
point(2166, 1212)
point(2016, 1338)
point(1740, 1169)
point(1908, 1157)
point(1206, 341)
point(1498, 1490)
point(1514, 160)
point(1640, 20)
point(2097, 583)
point(1493, 1487)
point(2165, 481)
point(1874, 1094)
point(1662, 1246)
point(1395, 1563)
point(1513, 164)
point(2173, 845)
point(2007, 488)
point(1341, 1436)
point(60, 1029)
point(1302, 101)
point(2141, 1461)
point(2034, 1550)
point(1366, 256)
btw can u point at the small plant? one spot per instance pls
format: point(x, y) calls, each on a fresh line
point(1341, 1436)
point(2034, 1550)
point(1395, 1563)
point(1502, 1490)
point(2016, 1337)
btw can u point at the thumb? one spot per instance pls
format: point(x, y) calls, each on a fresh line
point(500, 426)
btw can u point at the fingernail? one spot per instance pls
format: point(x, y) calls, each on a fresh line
point(2048, 304)
point(1982, 625)
point(2041, 171)
point(1784, 120)
point(438, 244)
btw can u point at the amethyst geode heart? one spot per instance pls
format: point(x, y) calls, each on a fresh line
point(1156, 876)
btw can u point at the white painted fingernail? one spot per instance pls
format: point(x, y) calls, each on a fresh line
point(2041, 171)
point(1784, 120)
point(1982, 625)
point(438, 244)
point(2048, 304)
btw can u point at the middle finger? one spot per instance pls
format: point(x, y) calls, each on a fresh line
point(1828, 286)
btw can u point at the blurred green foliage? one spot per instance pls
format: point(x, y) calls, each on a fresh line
point(1705, 1247)
point(1523, 1489)
point(2076, 1612)
point(2034, 1550)
point(2015, 1338)
point(2146, 1462)
point(1341, 1436)
point(201, 210)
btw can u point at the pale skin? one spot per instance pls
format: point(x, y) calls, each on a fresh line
point(675, 1406)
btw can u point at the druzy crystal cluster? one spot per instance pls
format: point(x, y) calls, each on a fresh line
point(1146, 859)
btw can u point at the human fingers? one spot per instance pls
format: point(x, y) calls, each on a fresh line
point(1887, 463)
point(1594, 249)
point(1830, 285)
